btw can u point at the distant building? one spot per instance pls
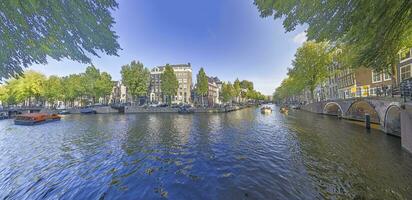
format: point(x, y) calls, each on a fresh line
point(119, 93)
point(184, 77)
point(213, 93)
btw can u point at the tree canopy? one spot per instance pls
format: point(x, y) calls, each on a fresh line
point(136, 78)
point(202, 83)
point(34, 85)
point(33, 30)
point(227, 92)
point(375, 30)
point(169, 83)
point(310, 68)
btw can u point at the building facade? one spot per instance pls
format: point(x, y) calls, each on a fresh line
point(119, 94)
point(405, 65)
point(183, 74)
point(213, 93)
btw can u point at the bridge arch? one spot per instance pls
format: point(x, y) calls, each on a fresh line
point(392, 120)
point(358, 109)
point(332, 108)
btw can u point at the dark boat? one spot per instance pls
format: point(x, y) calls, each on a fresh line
point(88, 111)
point(35, 118)
point(185, 110)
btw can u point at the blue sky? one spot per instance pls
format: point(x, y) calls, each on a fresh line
point(225, 37)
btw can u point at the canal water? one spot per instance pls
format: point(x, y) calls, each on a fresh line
point(237, 155)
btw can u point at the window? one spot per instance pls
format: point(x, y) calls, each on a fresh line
point(405, 72)
point(358, 91)
point(376, 77)
point(386, 76)
point(372, 91)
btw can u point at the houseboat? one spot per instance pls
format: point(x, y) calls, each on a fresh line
point(35, 118)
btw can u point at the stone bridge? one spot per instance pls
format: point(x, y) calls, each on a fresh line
point(383, 110)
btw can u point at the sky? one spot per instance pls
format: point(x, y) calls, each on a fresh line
point(227, 38)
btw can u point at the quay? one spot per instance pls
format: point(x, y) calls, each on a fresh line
point(393, 115)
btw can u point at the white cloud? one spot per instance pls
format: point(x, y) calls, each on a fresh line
point(300, 38)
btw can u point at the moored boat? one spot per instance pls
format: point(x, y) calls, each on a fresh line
point(35, 118)
point(64, 112)
point(266, 110)
point(88, 111)
point(185, 110)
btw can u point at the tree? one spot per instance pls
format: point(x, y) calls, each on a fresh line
point(310, 64)
point(136, 78)
point(376, 30)
point(202, 86)
point(91, 76)
point(237, 89)
point(248, 85)
point(5, 95)
point(33, 30)
point(97, 84)
point(104, 86)
point(29, 85)
point(169, 84)
point(53, 89)
point(74, 87)
point(227, 92)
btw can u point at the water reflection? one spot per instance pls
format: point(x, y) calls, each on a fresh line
point(238, 155)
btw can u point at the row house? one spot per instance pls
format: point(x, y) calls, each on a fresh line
point(212, 98)
point(119, 94)
point(184, 76)
point(213, 93)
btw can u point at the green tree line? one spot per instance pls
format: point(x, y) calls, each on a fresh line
point(35, 88)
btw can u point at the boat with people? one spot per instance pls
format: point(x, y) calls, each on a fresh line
point(35, 118)
point(284, 110)
point(88, 111)
point(266, 110)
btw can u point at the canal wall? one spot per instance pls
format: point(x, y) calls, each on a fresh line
point(99, 110)
point(406, 127)
point(136, 109)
